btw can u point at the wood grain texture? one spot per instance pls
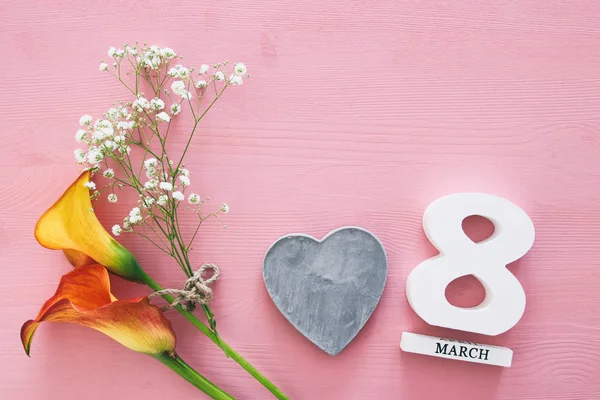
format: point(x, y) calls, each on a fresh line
point(357, 113)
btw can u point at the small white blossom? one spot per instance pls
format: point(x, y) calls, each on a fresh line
point(140, 103)
point(103, 66)
point(126, 223)
point(109, 173)
point(185, 181)
point(194, 199)
point(219, 75)
point(150, 163)
point(112, 198)
point(178, 196)
point(175, 109)
point(236, 80)
point(163, 116)
point(90, 185)
point(119, 53)
point(179, 71)
point(111, 52)
point(201, 84)
point(224, 208)
point(110, 145)
point(240, 69)
point(162, 200)
point(135, 215)
point(203, 69)
point(119, 139)
point(147, 201)
point(157, 104)
point(167, 53)
point(116, 230)
point(130, 50)
point(85, 120)
point(94, 156)
point(103, 128)
point(151, 184)
point(184, 172)
point(178, 87)
point(166, 186)
point(80, 135)
point(80, 155)
point(124, 125)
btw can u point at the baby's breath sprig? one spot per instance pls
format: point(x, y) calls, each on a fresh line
point(161, 89)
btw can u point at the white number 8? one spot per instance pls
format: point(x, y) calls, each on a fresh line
point(513, 236)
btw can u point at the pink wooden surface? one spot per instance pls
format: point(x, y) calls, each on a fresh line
point(356, 113)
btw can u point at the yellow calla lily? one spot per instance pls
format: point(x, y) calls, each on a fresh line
point(72, 226)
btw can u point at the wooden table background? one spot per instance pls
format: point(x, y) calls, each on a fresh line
point(357, 113)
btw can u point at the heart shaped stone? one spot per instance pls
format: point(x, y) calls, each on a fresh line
point(327, 288)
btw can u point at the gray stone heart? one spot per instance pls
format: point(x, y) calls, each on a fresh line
point(327, 288)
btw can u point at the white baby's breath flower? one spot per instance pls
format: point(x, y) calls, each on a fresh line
point(112, 198)
point(135, 215)
point(163, 116)
point(80, 155)
point(126, 223)
point(116, 230)
point(224, 208)
point(236, 80)
point(162, 200)
point(147, 201)
point(178, 87)
point(184, 172)
point(178, 196)
point(166, 186)
point(109, 145)
point(112, 113)
point(201, 84)
point(167, 53)
point(109, 173)
point(179, 71)
point(124, 125)
point(119, 139)
point(90, 185)
point(185, 181)
point(85, 120)
point(140, 104)
point(80, 135)
point(157, 104)
point(104, 128)
point(219, 75)
point(175, 109)
point(94, 156)
point(112, 51)
point(103, 66)
point(240, 69)
point(150, 163)
point(186, 95)
point(194, 198)
point(151, 184)
point(203, 69)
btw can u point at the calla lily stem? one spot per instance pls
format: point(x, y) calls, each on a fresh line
point(219, 342)
point(180, 367)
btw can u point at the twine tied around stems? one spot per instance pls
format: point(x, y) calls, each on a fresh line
point(195, 291)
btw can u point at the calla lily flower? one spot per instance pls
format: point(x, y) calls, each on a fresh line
point(72, 226)
point(83, 297)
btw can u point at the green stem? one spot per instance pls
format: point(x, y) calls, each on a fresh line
point(182, 369)
point(219, 342)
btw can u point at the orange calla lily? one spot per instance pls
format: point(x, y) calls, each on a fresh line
point(72, 226)
point(83, 297)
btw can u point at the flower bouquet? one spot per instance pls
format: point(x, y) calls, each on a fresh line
point(127, 149)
